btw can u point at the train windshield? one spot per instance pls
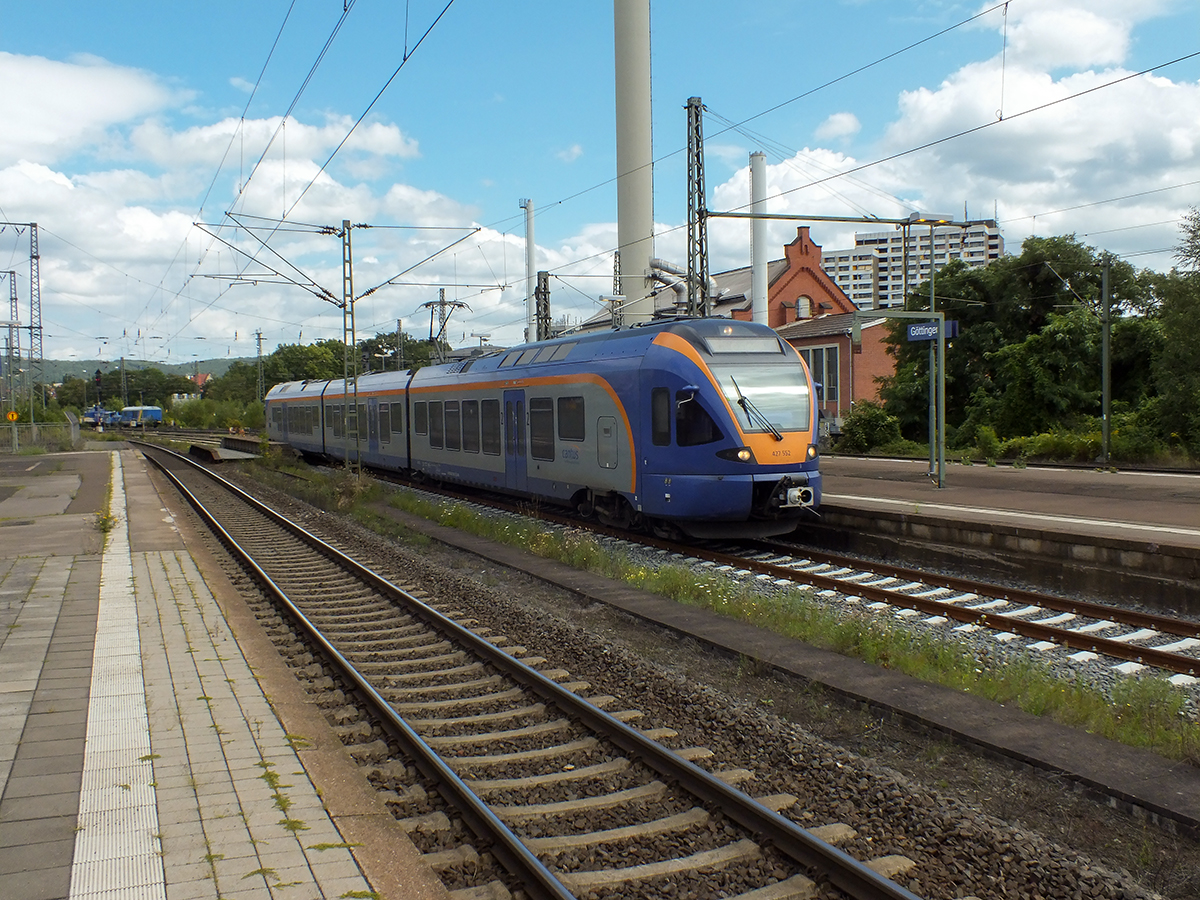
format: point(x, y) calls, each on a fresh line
point(766, 397)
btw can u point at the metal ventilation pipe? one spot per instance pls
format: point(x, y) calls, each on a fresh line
point(635, 160)
point(530, 274)
point(758, 237)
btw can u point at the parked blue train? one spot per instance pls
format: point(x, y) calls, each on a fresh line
point(708, 426)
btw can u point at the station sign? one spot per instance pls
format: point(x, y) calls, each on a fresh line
point(927, 331)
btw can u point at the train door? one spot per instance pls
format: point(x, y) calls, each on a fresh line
point(514, 441)
point(372, 425)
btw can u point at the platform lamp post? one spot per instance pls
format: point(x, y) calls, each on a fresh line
point(936, 389)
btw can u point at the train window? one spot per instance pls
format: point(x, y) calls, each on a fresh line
point(397, 418)
point(435, 424)
point(693, 424)
point(570, 419)
point(420, 418)
point(757, 394)
point(470, 426)
point(362, 422)
point(453, 426)
point(490, 421)
point(541, 428)
point(385, 422)
point(562, 350)
point(336, 418)
point(660, 417)
point(510, 359)
point(545, 353)
point(743, 345)
point(328, 415)
point(528, 355)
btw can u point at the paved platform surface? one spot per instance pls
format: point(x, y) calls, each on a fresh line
point(1157, 507)
point(140, 754)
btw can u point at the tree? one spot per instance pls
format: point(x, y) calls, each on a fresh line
point(1177, 369)
point(994, 369)
point(1188, 251)
point(239, 383)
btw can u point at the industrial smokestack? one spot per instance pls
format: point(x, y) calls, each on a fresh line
point(530, 274)
point(635, 173)
point(758, 237)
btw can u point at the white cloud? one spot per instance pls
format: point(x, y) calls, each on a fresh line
point(838, 125)
point(242, 84)
point(570, 154)
point(62, 106)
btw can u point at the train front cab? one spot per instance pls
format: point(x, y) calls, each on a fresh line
point(729, 442)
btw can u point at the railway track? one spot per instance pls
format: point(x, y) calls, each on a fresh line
point(556, 784)
point(1089, 631)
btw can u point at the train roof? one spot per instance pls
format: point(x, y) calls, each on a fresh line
point(711, 337)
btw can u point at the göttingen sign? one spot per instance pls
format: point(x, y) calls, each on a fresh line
point(927, 331)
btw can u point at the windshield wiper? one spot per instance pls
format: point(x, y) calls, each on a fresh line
point(754, 412)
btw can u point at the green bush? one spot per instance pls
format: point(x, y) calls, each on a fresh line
point(868, 426)
point(986, 442)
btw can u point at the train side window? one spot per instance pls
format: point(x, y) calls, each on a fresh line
point(362, 422)
point(453, 426)
point(397, 418)
point(660, 417)
point(528, 355)
point(693, 424)
point(490, 419)
point(421, 418)
point(470, 426)
point(570, 419)
point(509, 359)
point(561, 351)
point(435, 423)
point(385, 423)
point(328, 415)
point(541, 427)
point(336, 418)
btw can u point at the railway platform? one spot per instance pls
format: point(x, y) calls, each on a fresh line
point(1108, 504)
point(1110, 534)
point(141, 754)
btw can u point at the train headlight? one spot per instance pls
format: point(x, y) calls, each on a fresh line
point(737, 454)
point(812, 452)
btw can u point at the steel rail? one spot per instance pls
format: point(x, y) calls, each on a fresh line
point(840, 869)
point(1133, 618)
point(535, 878)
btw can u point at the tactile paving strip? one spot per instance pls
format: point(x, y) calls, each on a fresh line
point(117, 848)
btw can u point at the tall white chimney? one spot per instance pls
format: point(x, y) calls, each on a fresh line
point(758, 237)
point(635, 160)
point(530, 274)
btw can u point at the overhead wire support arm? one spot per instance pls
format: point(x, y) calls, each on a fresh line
point(312, 287)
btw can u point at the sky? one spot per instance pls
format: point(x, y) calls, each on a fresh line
point(185, 163)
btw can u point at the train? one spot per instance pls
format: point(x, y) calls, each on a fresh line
point(706, 428)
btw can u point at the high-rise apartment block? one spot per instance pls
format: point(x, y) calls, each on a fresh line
point(872, 273)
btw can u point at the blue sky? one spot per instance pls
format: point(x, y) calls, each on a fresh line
point(125, 110)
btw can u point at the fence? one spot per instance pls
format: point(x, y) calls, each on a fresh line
point(53, 436)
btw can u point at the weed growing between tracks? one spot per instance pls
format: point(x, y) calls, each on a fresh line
point(1146, 712)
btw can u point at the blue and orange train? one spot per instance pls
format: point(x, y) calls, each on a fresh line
point(701, 426)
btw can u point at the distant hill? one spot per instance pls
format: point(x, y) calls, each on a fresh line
point(57, 369)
